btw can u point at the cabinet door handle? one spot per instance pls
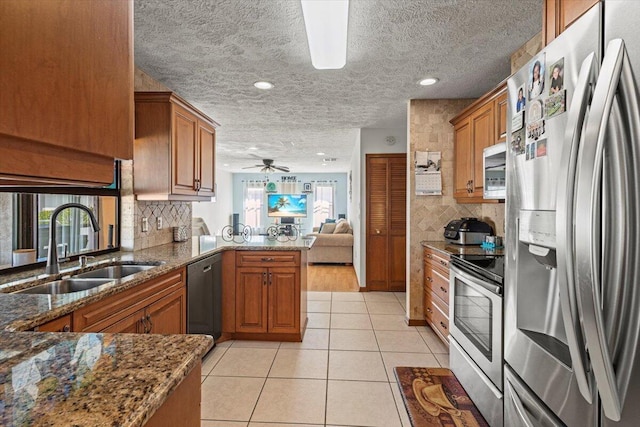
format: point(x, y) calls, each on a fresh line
point(266, 259)
point(264, 278)
point(150, 323)
point(443, 289)
point(207, 268)
point(443, 325)
point(270, 278)
point(143, 323)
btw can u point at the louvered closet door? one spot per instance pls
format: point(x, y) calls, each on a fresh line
point(386, 221)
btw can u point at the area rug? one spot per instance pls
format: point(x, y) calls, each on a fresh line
point(434, 398)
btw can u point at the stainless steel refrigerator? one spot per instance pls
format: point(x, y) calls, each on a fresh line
point(572, 277)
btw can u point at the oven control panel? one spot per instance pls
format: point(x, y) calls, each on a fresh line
point(538, 228)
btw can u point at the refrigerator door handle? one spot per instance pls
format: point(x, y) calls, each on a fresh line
point(564, 222)
point(615, 79)
point(519, 397)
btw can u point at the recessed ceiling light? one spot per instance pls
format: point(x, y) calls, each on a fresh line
point(263, 85)
point(326, 22)
point(428, 81)
point(324, 164)
point(320, 154)
point(253, 148)
point(225, 164)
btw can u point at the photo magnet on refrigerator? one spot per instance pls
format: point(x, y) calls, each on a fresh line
point(555, 104)
point(518, 142)
point(531, 151)
point(541, 148)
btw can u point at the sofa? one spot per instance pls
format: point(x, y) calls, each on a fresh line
point(333, 245)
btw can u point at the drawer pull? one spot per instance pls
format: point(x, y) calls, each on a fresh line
point(266, 259)
point(443, 262)
point(150, 323)
point(428, 256)
point(429, 310)
point(429, 279)
point(66, 328)
point(443, 325)
point(443, 289)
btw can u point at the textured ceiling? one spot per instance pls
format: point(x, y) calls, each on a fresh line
point(211, 52)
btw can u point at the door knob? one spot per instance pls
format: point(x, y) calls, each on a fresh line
point(377, 231)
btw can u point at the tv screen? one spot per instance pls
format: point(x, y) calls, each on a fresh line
point(287, 205)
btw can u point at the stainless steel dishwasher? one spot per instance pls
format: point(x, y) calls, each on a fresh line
point(204, 296)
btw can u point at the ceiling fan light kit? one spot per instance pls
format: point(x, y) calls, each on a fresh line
point(267, 166)
point(326, 22)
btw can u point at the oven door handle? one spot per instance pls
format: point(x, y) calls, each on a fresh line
point(474, 283)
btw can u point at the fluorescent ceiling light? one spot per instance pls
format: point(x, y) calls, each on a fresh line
point(263, 85)
point(326, 23)
point(428, 81)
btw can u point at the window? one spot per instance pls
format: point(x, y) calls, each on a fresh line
point(254, 197)
point(322, 204)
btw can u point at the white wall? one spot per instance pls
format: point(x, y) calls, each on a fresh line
point(354, 206)
point(373, 141)
point(217, 214)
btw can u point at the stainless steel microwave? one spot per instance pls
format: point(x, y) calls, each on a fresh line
point(494, 171)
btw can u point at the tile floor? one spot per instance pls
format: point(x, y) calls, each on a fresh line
point(340, 375)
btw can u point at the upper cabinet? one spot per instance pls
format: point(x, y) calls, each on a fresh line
point(482, 124)
point(559, 14)
point(67, 90)
point(174, 149)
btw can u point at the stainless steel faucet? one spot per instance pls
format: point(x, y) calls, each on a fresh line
point(52, 254)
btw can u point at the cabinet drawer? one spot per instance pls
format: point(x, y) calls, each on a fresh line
point(436, 258)
point(61, 324)
point(267, 259)
point(438, 282)
point(428, 304)
point(103, 313)
point(440, 322)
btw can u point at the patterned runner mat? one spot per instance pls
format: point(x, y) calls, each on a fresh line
point(434, 398)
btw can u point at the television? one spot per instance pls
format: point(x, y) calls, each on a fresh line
point(287, 205)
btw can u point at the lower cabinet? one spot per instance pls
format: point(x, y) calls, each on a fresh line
point(158, 306)
point(269, 296)
point(61, 324)
point(436, 292)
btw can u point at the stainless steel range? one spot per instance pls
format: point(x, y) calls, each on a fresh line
point(476, 330)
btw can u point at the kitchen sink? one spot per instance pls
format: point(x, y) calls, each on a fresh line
point(115, 271)
point(64, 286)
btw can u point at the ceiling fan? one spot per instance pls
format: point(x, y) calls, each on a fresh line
point(268, 166)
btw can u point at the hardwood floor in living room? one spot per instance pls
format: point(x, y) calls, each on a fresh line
point(332, 278)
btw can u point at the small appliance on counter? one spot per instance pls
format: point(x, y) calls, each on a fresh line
point(467, 231)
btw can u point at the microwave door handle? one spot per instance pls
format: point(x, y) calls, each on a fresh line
point(564, 222)
point(616, 74)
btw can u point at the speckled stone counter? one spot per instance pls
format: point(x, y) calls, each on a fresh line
point(449, 249)
point(66, 379)
point(19, 312)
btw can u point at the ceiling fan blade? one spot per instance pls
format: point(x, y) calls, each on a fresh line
point(255, 156)
point(254, 166)
point(281, 168)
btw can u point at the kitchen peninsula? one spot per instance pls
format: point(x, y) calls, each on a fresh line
point(72, 378)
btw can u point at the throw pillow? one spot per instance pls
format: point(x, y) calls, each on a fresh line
point(321, 225)
point(341, 227)
point(330, 220)
point(328, 228)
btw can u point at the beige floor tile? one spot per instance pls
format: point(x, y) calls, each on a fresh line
point(353, 307)
point(291, 401)
point(443, 359)
point(356, 365)
point(393, 359)
point(350, 321)
point(318, 320)
point(230, 399)
point(255, 344)
point(380, 297)
point(435, 344)
point(356, 403)
point(402, 410)
point(212, 359)
point(319, 306)
point(390, 322)
point(385, 308)
point(357, 340)
point(313, 339)
point(245, 362)
point(318, 296)
point(401, 295)
point(283, 425)
point(224, 344)
point(400, 341)
point(347, 296)
point(204, 377)
point(206, 423)
point(300, 364)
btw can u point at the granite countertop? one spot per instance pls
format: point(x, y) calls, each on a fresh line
point(450, 249)
point(69, 379)
point(19, 312)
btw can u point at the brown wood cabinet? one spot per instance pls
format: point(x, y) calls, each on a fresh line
point(386, 196)
point(482, 124)
point(557, 15)
point(157, 306)
point(267, 293)
point(61, 324)
point(67, 90)
point(436, 292)
point(171, 132)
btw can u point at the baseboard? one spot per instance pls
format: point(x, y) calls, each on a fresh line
point(363, 289)
point(416, 322)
